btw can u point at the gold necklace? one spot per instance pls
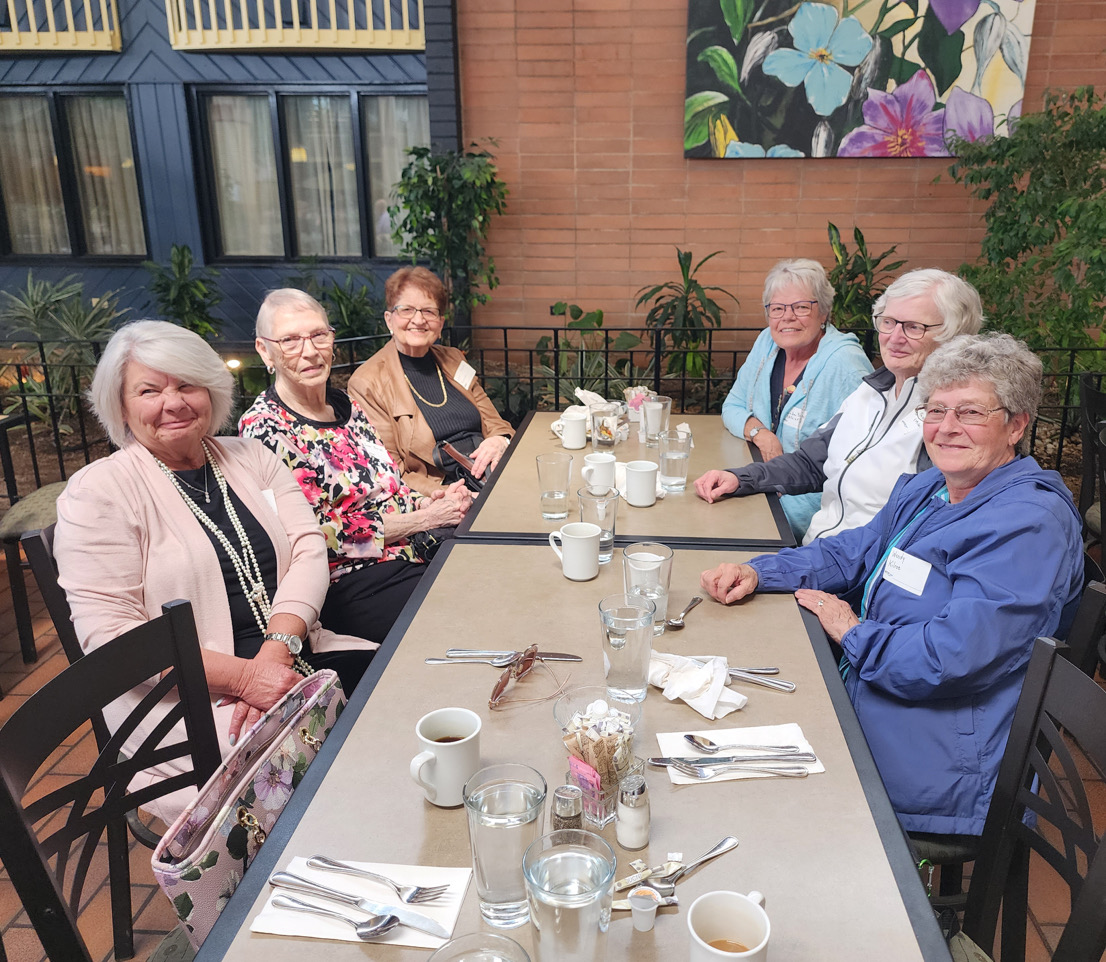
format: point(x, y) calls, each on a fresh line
point(441, 381)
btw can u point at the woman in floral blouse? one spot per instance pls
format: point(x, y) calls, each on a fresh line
point(375, 526)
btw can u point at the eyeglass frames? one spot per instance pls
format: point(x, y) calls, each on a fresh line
point(293, 344)
point(516, 671)
point(776, 310)
point(915, 330)
point(964, 413)
point(407, 313)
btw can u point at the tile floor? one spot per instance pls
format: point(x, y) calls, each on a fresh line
point(1048, 900)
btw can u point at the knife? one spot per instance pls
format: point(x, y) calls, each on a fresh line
point(711, 760)
point(462, 653)
point(736, 674)
point(406, 916)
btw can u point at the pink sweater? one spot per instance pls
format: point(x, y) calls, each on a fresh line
point(126, 543)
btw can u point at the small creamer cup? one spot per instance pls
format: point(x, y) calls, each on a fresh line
point(450, 741)
point(732, 917)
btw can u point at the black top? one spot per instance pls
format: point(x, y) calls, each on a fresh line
point(458, 420)
point(338, 400)
point(248, 637)
point(780, 394)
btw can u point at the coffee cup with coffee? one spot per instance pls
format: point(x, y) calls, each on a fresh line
point(450, 756)
point(728, 925)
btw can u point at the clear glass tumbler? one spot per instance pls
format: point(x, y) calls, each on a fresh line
point(626, 622)
point(600, 507)
point(675, 452)
point(655, 411)
point(647, 571)
point(554, 471)
point(481, 947)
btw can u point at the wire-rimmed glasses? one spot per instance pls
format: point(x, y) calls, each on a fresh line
point(292, 344)
point(776, 310)
point(406, 312)
point(517, 670)
point(915, 330)
point(964, 413)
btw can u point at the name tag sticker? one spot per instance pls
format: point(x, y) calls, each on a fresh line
point(795, 418)
point(912, 422)
point(906, 571)
point(270, 499)
point(464, 375)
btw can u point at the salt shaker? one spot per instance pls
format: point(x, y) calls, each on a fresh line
point(632, 827)
point(568, 808)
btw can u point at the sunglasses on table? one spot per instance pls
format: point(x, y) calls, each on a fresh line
point(516, 671)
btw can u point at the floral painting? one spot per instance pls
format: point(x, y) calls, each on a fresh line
point(867, 78)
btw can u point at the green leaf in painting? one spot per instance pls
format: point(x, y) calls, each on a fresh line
point(894, 29)
point(913, 5)
point(697, 110)
point(723, 65)
point(736, 13)
point(941, 52)
point(902, 69)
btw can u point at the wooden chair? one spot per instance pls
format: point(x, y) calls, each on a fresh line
point(1039, 774)
point(1092, 413)
point(47, 843)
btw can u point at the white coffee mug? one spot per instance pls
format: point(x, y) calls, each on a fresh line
point(574, 429)
point(641, 483)
point(598, 470)
point(450, 738)
point(720, 922)
point(578, 550)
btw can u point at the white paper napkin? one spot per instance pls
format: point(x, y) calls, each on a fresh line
point(702, 684)
point(673, 743)
point(620, 481)
point(588, 398)
point(684, 428)
point(275, 921)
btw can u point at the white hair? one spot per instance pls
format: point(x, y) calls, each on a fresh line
point(283, 299)
point(167, 348)
point(804, 273)
point(956, 301)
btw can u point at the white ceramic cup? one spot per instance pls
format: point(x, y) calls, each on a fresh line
point(598, 470)
point(450, 738)
point(574, 430)
point(732, 916)
point(578, 550)
point(641, 483)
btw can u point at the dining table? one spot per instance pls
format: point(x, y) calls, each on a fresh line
point(508, 508)
point(825, 850)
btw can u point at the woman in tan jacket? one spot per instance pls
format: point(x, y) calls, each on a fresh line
point(419, 394)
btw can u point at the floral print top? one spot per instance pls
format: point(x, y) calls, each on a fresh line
point(346, 473)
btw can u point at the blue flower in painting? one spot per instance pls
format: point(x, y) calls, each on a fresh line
point(737, 149)
point(822, 45)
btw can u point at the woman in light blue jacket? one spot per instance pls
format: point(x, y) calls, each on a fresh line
point(797, 374)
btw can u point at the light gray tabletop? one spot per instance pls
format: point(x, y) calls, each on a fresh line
point(825, 850)
point(509, 507)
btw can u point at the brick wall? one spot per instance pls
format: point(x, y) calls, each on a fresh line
point(586, 100)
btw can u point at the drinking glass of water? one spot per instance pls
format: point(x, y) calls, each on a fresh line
point(675, 451)
point(600, 506)
point(554, 470)
point(627, 625)
point(647, 571)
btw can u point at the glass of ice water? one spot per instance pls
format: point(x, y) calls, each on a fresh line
point(627, 625)
point(504, 805)
point(600, 506)
point(481, 947)
point(554, 470)
point(570, 884)
point(647, 571)
point(675, 452)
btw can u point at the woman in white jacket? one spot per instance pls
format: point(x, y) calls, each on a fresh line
point(856, 457)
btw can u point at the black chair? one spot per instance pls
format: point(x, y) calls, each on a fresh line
point(1092, 412)
point(47, 843)
point(1040, 774)
point(1087, 629)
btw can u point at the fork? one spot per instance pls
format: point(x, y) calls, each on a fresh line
point(411, 894)
point(698, 771)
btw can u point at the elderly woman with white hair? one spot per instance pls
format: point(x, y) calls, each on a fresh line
point(378, 531)
point(855, 458)
point(179, 513)
point(798, 372)
point(936, 601)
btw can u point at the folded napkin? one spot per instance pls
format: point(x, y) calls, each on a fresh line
point(275, 921)
point(673, 743)
point(588, 398)
point(684, 428)
point(701, 684)
point(620, 481)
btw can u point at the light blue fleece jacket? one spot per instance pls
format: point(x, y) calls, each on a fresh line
point(831, 375)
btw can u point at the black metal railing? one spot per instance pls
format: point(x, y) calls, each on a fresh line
point(47, 431)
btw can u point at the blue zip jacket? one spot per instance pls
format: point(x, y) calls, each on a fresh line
point(935, 677)
point(830, 376)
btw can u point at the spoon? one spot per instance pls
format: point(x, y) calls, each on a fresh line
point(678, 622)
point(704, 744)
point(665, 885)
point(500, 661)
point(373, 927)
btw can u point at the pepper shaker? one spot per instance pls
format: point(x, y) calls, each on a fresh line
point(568, 808)
point(632, 827)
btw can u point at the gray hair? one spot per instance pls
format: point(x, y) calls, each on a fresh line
point(956, 301)
point(1013, 371)
point(283, 299)
point(804, 273)
point(167, 348)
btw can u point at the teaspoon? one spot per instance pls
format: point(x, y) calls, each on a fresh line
point(705, 744)
point(675, 624)
point(373, 927)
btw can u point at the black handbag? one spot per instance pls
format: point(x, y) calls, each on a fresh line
point(456, 465)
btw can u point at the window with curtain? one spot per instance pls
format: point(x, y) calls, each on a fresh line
point(315, 186)
point(67, 176)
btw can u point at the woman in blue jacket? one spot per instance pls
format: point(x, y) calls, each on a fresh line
point(797, 374)
point(937, 600)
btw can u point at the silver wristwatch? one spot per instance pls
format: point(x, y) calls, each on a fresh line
point(294, 642)
point(754, 433)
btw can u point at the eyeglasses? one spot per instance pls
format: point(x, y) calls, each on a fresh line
point(798, 308)
point(964, 413)
point(517, 670)
point(915, 330)
point(407, 313)
point(293, 343)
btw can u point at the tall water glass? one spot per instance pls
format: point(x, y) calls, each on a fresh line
point(647, 571)
point(504, 806)
point(626, 622)
point(570, 884)
point(600, 507)
point(554, 470)
point(675, 452)
point(655, 411)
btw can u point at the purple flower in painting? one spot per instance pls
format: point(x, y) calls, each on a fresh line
point(273, 786)
point(968, 116)
point(899, 124)
point(953, 14)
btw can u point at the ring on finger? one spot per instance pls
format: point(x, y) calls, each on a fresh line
point(821, 604)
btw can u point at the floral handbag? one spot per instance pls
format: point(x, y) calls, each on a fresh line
point(200, 860)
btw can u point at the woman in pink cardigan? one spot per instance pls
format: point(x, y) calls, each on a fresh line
point(179, 513)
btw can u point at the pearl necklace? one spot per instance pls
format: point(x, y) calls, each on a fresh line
point(441, 381)
point(206, 491)
point(245, 564)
